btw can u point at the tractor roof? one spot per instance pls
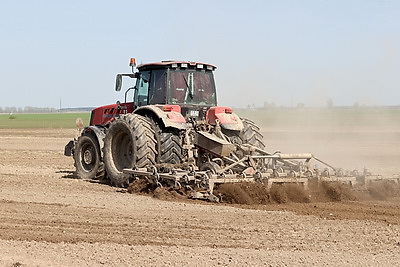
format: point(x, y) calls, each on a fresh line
point(170, 64)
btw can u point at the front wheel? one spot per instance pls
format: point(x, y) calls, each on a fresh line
point(87, 157)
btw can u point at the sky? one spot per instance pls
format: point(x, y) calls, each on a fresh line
point(282, 52)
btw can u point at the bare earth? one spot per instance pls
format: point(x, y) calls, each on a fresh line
point(47, 219)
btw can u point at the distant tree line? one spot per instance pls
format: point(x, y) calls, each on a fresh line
point(27, 109)
point(329, 105)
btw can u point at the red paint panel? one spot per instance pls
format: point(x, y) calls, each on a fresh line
point(223, 114)
point(173, 112)
point(169, 108)
point(105, 114)
point(176, 117)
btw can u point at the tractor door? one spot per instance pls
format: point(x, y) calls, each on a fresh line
point(142, 89)
point(158, 87)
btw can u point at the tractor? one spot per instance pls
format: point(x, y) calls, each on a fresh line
point(174, 134)
point(173, 120)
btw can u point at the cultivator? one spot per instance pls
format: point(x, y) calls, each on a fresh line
point(256, 165)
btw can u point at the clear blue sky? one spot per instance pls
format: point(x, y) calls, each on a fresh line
point(286, 52)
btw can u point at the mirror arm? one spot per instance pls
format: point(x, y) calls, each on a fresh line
point(126, 92)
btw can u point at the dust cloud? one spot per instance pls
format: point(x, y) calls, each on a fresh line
point(256, 194)
point(354, 138)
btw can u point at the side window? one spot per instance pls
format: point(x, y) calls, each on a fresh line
point(142, 89)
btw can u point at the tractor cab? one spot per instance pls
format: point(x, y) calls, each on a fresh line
point(187, 84)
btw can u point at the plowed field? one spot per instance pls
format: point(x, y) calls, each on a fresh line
point(48, 218)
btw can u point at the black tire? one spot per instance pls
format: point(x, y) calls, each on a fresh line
point(130, 142)
point(249, 135)
point(169, 147)
point(87, 158)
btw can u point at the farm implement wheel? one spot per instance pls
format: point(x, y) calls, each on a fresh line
point(130, 142)
point(87, 158)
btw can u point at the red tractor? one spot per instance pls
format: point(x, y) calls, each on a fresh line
point(174, 134)
point(172, 121)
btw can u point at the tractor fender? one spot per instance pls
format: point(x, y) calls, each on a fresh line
point(96, 132)
point(230, 121)
point(226, 118)
point(171, 117)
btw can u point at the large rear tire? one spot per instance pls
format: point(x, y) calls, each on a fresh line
point(170, 147)
point(87, 158)
point(130, 142)
point(249, 135)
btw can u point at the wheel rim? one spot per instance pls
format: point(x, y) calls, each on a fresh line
point(88, 157)
point(122, 152)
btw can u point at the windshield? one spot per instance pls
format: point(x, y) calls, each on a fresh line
point(191, 87)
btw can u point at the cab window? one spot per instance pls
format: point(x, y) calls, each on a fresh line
point(192, 87)
point(157, 93)
point(142, 89)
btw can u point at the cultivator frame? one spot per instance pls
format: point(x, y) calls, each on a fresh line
point(256, 165)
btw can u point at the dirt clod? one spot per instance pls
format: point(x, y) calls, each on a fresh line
point(289, 193)
point(169, 193)
point(331, 191)
point(243, 193)
point(141, 186)
point(144, 187)
point(259, 194)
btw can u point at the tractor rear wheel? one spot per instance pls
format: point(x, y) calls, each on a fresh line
point(249, 135)
point(130, 142)
point(87, 158)
point(169, 147)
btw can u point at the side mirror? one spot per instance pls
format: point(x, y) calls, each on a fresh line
point(118, 83)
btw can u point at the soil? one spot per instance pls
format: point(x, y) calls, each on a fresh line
point(49, 218)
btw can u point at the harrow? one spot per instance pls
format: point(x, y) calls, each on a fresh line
point(256, 165)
